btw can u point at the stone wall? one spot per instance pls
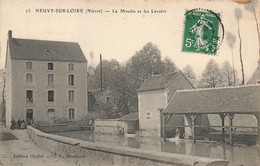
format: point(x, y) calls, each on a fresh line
point(17, 105)
point(90, 153)
point(58, 127)
point(148, 104)
point(109, 126)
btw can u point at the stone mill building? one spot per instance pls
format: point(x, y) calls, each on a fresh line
point(46, 81)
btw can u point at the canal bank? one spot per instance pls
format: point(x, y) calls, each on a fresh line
point(90, 153)
point(238, 154)
point(17, 149)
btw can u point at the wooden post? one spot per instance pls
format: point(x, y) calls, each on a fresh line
point(231, 116)
point(193, 117)
point(163, 126)
point(222, 116)
point(258, 127)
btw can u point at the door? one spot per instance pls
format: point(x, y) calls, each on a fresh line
point(29, 114)
point(51, 115)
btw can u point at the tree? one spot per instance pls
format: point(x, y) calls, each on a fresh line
point(117, 78)
point(231, 40)
point(109, 111)
point(91, 54)
point(238, 15)
point(109, 69)
point(188, 72)
point(148, 61)
point(124, 81)
point(145, 62)
point(125, 92)
point(168, 65)
point(251, 7)
point(211, 76)
point(228, 74)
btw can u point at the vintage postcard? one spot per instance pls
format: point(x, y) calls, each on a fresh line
point(160, 82)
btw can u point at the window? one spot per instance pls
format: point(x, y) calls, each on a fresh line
point(29, 78)
point(29, 96)
point(50, 66)
point(28, 65)
point(71, 80)
point(258, 81)
point(108, 99)
point(51, 110)
point(148, 115)
point(71, 66)
point(71, 113)
point(71, 95)
point(50, 96)
point(50, 79)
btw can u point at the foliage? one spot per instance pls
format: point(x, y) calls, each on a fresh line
point(145, 62)
point(238, 13)
point(125, 80)
point(188, 72)
point(231, 39)
point(211, 76)
point(227, 73)
point(91, 54)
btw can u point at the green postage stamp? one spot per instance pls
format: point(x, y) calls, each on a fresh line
point(201, 33)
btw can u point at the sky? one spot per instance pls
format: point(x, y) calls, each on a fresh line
point(119, 35)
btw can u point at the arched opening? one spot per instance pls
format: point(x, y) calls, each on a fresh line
point(29, 114)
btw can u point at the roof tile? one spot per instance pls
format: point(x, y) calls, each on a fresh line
point(27, 49)
point(157, 82)
point(242, 99)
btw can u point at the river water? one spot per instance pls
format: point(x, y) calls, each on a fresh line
point(237, 155)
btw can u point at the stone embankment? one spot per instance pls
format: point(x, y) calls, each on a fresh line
point(94, 153)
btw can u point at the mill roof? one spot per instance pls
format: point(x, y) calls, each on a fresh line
point(157, 82)
point(43, 50)
point(241, 99)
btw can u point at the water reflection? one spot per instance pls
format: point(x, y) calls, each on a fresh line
point(236, 155)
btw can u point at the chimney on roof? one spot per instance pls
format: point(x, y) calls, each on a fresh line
point(9, 34)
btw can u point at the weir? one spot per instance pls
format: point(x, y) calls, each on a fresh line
point(91, 153)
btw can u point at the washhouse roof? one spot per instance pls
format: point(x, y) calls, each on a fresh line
point(240, 99)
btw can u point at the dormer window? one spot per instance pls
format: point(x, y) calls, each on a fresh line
point(50, 66)
point(28, 65)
